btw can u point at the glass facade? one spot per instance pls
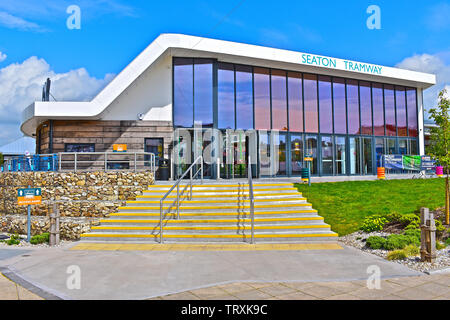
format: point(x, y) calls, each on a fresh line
point(345, 125)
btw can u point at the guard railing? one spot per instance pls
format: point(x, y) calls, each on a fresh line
point(192, 176)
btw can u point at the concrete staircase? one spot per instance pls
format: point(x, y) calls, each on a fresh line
point(218, 212)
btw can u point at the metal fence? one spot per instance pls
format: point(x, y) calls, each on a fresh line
point(82, 161)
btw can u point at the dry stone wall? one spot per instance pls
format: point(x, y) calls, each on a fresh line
point(83, 198)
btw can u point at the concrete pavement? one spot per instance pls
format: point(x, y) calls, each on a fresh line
point(136, 274)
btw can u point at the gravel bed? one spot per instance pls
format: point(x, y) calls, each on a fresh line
point(357, 240)
point(24, 244)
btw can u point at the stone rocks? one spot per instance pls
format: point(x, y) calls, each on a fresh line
point(78, 195)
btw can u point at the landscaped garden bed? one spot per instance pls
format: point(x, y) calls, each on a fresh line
point(382, 217)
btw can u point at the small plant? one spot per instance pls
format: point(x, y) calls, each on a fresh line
point(447, 242)
point(411, 250)
point(413, 233)
point(439, 229)
point(440, 245)
point(13, 240)
point(407, 219)
point(40, 238)
point(375, 242)
point(399, 241)
point(396, 255)
point(374, 223)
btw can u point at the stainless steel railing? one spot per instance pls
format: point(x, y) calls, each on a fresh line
point(252, 199)
point(104, 161)
point(192, 176)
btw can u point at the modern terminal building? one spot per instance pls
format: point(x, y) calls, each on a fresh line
point(341, 114)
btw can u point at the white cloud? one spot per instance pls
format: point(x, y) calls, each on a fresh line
point(21, 84)
point(432, 64)
point(2, 56)
point(13, 22)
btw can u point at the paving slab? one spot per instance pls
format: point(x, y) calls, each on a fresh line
point(146, 274)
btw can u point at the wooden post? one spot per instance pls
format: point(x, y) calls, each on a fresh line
point(54, 226)
point(427, 236)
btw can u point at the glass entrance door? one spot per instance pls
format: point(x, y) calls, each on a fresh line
point(296, 155)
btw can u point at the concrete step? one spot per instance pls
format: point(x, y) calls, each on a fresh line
point(126, 221)
point(261, 236)
point(220, 196)
point(220, 201)
point(212, 229)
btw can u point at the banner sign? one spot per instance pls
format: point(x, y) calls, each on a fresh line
point(29, 196)
point(411, 163)
point(393, 162)
point(119, 147)
point(427, 163)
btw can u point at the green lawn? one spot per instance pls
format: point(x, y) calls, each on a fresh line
point(344, 205)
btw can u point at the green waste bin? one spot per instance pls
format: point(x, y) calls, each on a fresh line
point(305, 174)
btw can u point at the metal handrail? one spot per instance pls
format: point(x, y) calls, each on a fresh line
point(133, 156)
point(252, 198)
point(177, 184)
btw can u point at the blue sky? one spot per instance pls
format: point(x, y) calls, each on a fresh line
point(413, 35)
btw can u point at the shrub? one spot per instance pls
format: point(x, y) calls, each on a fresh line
point(393, 217)
point(447, 242)
point(411, 250)
point(40, 238)
point(396, 255)
point(413, 233)
point(439, 228)
point(399, 241)
point(375, 242)
point(407, 219)
point(374, 223)
point(440, 245)
point(13, 240)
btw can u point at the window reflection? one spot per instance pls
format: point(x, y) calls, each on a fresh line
point(412, 111)
point(326, 112)
point(366, 107)
point(183, 104)
point(353, 107)
point(279, 103)
point(310, 96)
point(378, 109)
point(389, 109)
point(225, 96)
point(244, 97)
point(340, 111)
point(262, 98)
point(400, 100)
point(295, 101)
point(203, 92)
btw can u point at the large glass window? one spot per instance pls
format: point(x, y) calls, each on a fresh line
point(282, 154)
point(412, 111)
point(262, 98)
point(310, 97)
point(327, 155)
point(295, 93)
point(325, 106)
point(366, 108)
point(355, 155)
point(390, 146)
point(296, 154)
point(311, 151)
point(389, 109)
point(340, 110)
point(379, 150)
point(340, 156)
point(400, 100)
point(413, 147)
point(403, 146)
point(353, 107)
point(367, 152)
point(183, 104)
point(225, 96)
point(203, 92)
point(279, 101)
point(244, 97)
point(378, 109)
